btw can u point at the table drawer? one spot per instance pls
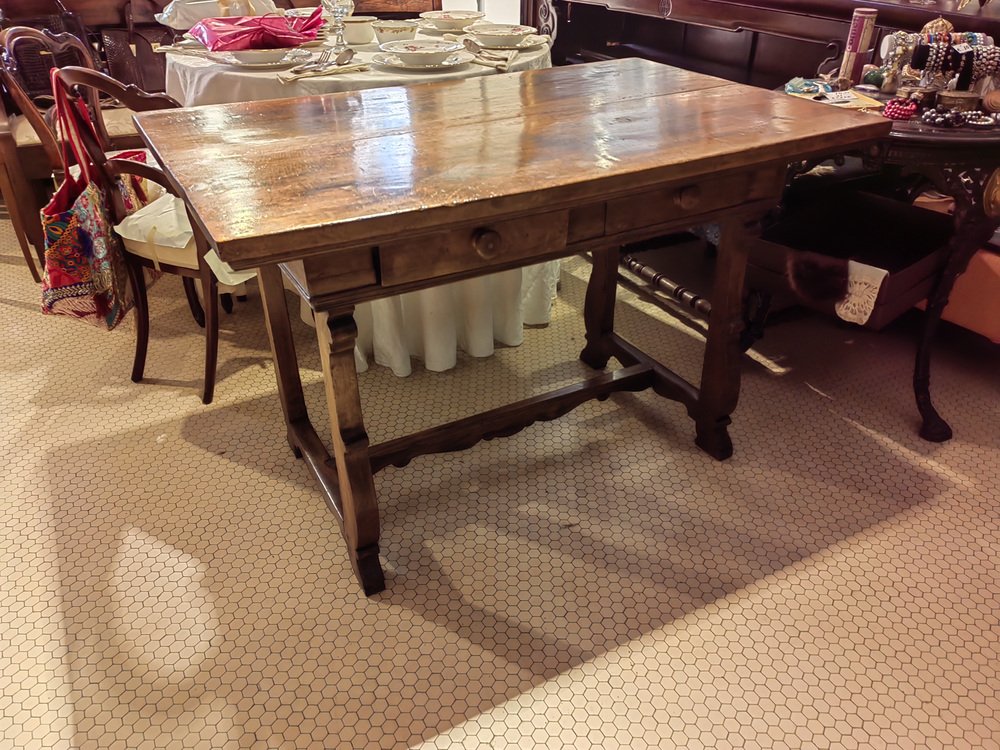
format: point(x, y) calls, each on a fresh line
point(474, 246)
point(699, 197)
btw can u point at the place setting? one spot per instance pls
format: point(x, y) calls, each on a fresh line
point(328, 63)
point(422, 55)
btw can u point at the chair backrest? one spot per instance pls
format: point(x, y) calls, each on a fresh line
point(83, 82)
point(88, 81)
point(26, 53)
point(36, 51)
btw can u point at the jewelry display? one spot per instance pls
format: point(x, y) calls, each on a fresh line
point(985, 62)
point(900, 109)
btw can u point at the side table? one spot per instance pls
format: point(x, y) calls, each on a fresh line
point(964, 165)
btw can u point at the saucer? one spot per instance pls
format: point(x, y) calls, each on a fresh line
point(294, 57)
point(391, 61)
point(524, 44)
point(319, 41)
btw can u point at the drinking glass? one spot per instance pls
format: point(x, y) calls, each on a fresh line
point(339, 9)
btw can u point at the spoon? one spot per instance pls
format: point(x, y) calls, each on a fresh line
point(472, 45)
point(344, 57)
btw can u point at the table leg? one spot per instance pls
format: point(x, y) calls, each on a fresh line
point(973, 229)
point(599, 307)
point(286, 363)
point(359, 510)
point(720, 376)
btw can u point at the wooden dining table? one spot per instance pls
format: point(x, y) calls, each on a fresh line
point(358, 195)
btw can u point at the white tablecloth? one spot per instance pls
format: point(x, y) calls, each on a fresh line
point(431, 324)
point(195, 80)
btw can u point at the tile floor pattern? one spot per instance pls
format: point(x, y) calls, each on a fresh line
point(171, 577)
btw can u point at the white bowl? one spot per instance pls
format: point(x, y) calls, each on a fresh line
point(259, 55)
point(390, 31)
point(500, 34)
point(421, 51)
point(358, 29)
point(452, 20)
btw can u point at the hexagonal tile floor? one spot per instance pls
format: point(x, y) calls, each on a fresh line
point(172, 578)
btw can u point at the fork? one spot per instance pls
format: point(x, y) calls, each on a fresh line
point(319, 62)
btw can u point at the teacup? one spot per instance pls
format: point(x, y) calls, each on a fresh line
point(390, 31)
point(358, 29)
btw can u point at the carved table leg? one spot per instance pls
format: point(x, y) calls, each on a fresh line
point(286, 363)
point(720, 376)
point(973, 229)
point(358, 506)
point(599, 307)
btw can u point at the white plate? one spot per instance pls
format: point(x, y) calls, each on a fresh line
point(300, 12)
point(426, 27)
point(294, 57)
point(391, 61)
point(188, 43)
point(319, 41)
point(526, 44)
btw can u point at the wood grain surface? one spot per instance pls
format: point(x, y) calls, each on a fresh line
point(277, 180)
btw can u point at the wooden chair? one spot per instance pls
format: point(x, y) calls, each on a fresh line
point(131, 51)
point(29, 151)
point(189, 262)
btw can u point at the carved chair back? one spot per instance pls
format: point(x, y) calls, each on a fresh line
point(88, 84)
point(24, 53)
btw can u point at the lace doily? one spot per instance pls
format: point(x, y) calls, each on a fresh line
point(863, 285)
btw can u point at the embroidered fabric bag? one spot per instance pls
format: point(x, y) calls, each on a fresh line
point(85, 273)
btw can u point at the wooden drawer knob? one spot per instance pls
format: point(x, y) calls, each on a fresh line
point(486, 243)
point(688, 197)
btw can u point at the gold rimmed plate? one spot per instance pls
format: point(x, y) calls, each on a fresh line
point(391, 61)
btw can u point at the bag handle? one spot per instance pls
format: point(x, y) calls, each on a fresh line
point(69, 120)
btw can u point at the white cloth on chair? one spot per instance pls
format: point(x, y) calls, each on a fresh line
point(161, 232)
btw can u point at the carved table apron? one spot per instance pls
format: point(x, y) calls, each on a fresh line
point(963, 165)
point(362, 195)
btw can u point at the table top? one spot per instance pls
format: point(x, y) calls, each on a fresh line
point(195, 81)
point(278, 180)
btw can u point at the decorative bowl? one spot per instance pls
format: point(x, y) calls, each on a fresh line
point(500, 34)
point(452, 20)
point(257, 56)
point(390, 31)
point(421, 51)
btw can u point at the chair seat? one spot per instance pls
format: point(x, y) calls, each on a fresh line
point(182, 257)
point(117, 121)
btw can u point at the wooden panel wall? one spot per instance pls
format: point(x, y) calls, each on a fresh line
point(91, 12)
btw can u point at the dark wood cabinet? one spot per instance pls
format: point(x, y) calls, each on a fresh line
point(763, 42)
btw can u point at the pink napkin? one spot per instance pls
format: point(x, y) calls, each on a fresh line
point(256, 32)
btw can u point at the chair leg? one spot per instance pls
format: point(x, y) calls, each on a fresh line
point(13, 209)
point(192, 298)
point(209, 290)
point(138, 279)
point(227, 302)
